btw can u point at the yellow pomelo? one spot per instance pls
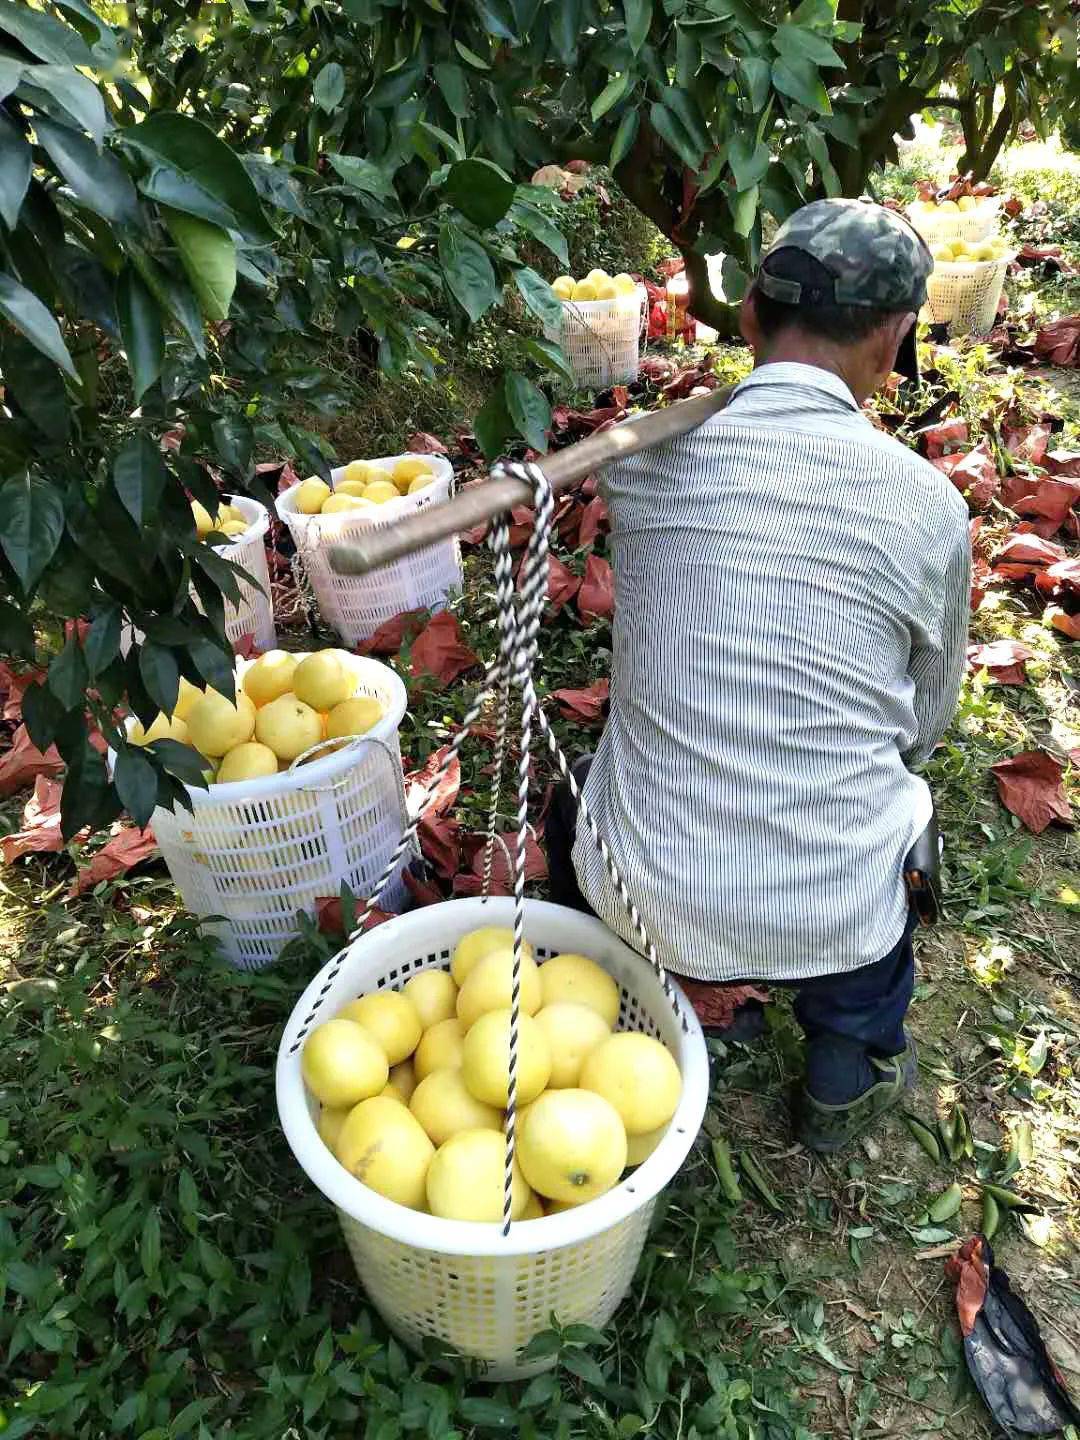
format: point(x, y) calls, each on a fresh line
point(331, 1119)
point(534, 1210)
point(233, 528)
point(248, 761)
point(162, 727)
point(443, 1105)
point(385, 1147)
point(573, 1031)
point(357, 470)
point(638, 1076)
point(353, 717)
point(597, 274)
point(488, 987)
point(572, 1145)
point(584, 290)
point(624, 284)
point(580, 980)
point(402, 1081)
point(478, 943)
point(350, 487)
point(186, 700)
point(441, 1048)
point(204, 521)
point(563, 286)
point(379, 491)
point(942, 253)
point(311, 495)
point(342, 1064)
point(640, 1147)
point(485, 1059)
point(434, 994)
point(323, 680)
point(606, 289)
point(410, 469)
point(968, 202)
point(391, 1017)
point(420, 483)
point(270, 676)
point(338, 502)
point(556, 1207)
point(467, 1175)
point(949, 207)
point(288, 726)
point(215, 727)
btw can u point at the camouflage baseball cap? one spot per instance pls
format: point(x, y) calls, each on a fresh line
point(873, 255)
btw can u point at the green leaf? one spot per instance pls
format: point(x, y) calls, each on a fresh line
point(749, 159)
point(98, 179)
point(625, 136)
point(735, 280)
point(470, 56)
point(38, 387)
point(363, 175)
point(140, 327)
point(638, 19)
point(328, 90)
point(159, 673)
point(16, 165)
point(478, 1410)
point(136, 783)
point(68, 675)
point(819, 152)
point(43, 36)
point(529, 218)
point(687, 111)
point(529, 409)
point(394, 87)
point(140, 477)
point(843, 126)
point(548, 354)
point(173, 295)
point(22, 308)
point(493, 424)
point(195, 171)
point(208, 255)
point(800, 80)
point(450, 79)
point(671, 130)
point(467, 272)
point(101, 644)
point(539, 297)
point(757, 77)
point(11, 72)
point(50, 87)
point(744, 207)
point(31, 525)
point(183, 761)
point(150, 1244)
point(611, 94)
point(87, 798)
point(16, 632)
point(794, 43)
point(480, 191)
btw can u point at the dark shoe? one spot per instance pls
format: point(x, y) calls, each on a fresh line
point(747, 1025)
point(826, 1128)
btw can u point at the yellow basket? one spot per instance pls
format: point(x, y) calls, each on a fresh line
point(483, 1294)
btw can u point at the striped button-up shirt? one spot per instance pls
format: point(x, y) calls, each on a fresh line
point(791, 602)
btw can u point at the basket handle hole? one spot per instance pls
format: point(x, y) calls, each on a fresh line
point(630, 1190)
point(680, 1129)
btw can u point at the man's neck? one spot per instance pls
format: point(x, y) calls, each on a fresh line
point(820, 357)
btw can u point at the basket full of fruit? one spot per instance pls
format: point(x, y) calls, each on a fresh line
point(966, 283)
point(244, 523)
point(303, 790)
point(963, 210)
point(392, 1083)
point(600, 329)
point(368, 493)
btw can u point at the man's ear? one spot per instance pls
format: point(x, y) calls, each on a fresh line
point(892, 333)
point(749, 327)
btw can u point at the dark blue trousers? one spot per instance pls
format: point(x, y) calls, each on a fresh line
point(846, 1017)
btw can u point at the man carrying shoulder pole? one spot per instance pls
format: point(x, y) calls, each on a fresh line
point(791, 611)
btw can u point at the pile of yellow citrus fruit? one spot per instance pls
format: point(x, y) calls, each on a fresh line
point(597, 285)
point(371, 481)
point(285, 704)
point(228, 521)
point(413, 1085)
point(993, 248)
point(962, 206)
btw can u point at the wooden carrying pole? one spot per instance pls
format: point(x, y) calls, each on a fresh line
point(479, 503)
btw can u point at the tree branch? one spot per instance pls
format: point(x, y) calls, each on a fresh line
point(721, 315)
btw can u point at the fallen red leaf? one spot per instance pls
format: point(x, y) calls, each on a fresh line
point(945, 439)
point(423, 443)
point(424, 892)
point(392, 634)
point(1063, 575)
point(14, 685)
point(657, 369)
point(1059, 342)
point(1049, 500)
point(1022, 555)
point(25, 762)
point(127, 847)
point(1027, 442)
point(980, 575)
point(596, 598)
point(1063, 621)
point(40, 833)
point(523, 523)
point(1065, 464)
point(440, 843)
point(585, 706)
point(562, 584)
point(567, 520)
point(501, 874)
point(1030, 787)
point(715, 1005)
point(439, 650)
point(330, 921)
point(244, 646)
point(1013, 206)
point(594, 520)
point(1002, 659)
point(975, 475)
point(1051, 258)
point(417, 781)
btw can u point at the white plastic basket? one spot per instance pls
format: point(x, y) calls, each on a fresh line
point(254, 852)
point(601, 339)
point(254, 615)
point(356, 605)
point(480, 1292)
point(964, 294)
point(968, 225)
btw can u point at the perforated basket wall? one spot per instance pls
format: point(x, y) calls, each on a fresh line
point(480, 1292)
point(601, 339)
point(254, 615)
point(255, 852)
point(967, 225)
point(356, 605)
point(964, 295)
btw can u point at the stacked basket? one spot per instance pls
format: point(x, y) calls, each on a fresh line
point(601, 339)
point(964, 292)
point(356, 605)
